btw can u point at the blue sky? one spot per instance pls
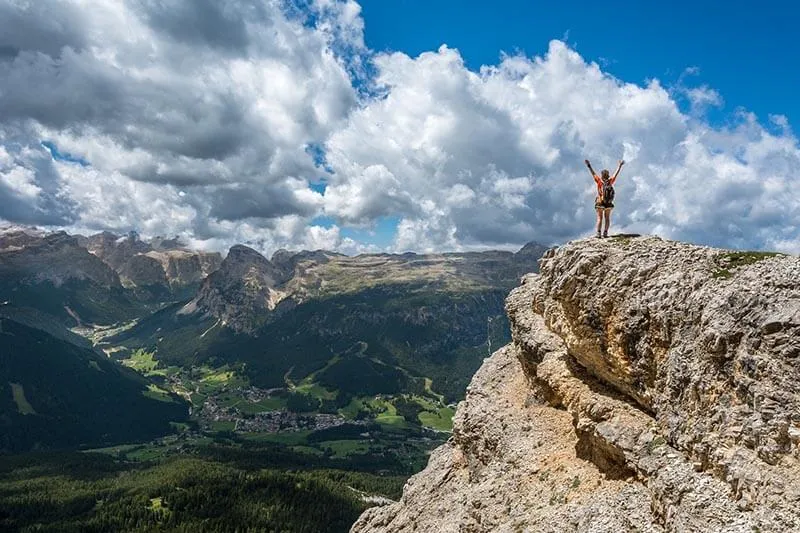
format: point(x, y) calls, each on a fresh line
point(748, 51)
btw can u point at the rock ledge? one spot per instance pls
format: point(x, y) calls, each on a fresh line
point(650, 386)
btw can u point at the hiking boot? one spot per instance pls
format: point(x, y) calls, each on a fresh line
point(605, 234)
point(597, 236)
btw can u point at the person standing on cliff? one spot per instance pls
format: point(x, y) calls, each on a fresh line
point(604, 201)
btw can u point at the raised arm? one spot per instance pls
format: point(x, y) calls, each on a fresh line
point(589, 166)
point(619, 167)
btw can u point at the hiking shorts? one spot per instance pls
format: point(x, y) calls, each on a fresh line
point(599, 204)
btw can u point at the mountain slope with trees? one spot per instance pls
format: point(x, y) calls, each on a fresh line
point(54, 394)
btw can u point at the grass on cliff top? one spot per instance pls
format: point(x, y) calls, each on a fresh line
point(731, 260)
point(624, 238)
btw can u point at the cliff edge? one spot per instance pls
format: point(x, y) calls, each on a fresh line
point(651, 385)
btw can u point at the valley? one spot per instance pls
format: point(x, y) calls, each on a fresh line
point(339, 374)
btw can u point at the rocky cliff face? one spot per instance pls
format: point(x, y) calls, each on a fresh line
point(183, 267)
point(53, 274)
point(242, 292)
point(156, 264)
point(56, 258)
point(114, 250)
point(650, 386)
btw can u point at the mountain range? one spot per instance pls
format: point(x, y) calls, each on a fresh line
point(326, 330)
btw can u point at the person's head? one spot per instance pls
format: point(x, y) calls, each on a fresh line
point(604, 174)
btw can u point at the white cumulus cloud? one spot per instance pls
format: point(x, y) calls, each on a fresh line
point(495, 157)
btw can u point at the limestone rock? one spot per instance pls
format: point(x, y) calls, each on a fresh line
point(143, 271)
point(243, 291)
point(183, 267)
point(54, 258)
point(159, 262)
point(114, 250)
point(650, 386)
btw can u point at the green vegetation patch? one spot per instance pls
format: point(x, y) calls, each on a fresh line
point(143, 362)
point(441, 420)
point(235, 399)
point(728, 261)
point(220, 376)
point(316, 391)
point(145, 453)
point(267, 404)
point(307, 450)
point(391, 420)
point(223, 425)
point(343, 448)
point(157, 393)
point(159, 509)
point(23, 406)
point(197, 398)
point(381, 406)
point(212, 380)
point(290, 438)
point(352, 409)
point(656, 443)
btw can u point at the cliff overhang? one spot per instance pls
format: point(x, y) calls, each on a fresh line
point(651, 385)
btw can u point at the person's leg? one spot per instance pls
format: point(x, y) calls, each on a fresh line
point(599, 220)
point(607, 216)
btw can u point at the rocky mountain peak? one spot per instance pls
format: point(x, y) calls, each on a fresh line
point(651, 385)
point(114, 250)
point(243, 261)
point(531, 249)
point(242, 253)
point(286, 258)
point(282, 256)
point(157, 263)
point(164, 243)
point(16, 237)
point(243, 291)
point(56, 257)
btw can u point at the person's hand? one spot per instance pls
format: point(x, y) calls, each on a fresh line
point(587, 162)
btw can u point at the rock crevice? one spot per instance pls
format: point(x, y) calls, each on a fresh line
point(650, 386)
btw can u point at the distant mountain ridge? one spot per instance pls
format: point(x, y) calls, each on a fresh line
point(160, 266)
point(248, 287)
point(100, 279)
point(55, 257)
point(53, 274)
point(299, 316)
point(240, 290)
